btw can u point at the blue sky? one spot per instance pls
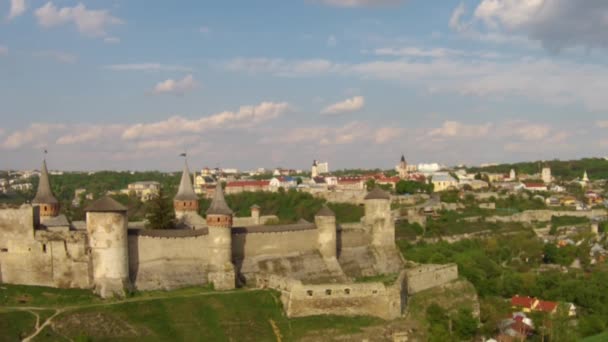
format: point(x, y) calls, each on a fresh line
point(131, 84)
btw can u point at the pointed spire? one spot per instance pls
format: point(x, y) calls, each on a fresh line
point(402, 158)
point(44, 195)
point(218, 204)
point(186, 191)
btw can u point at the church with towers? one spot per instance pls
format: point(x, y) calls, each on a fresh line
point(311, 263)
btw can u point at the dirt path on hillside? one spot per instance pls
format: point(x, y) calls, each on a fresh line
point(59, 310)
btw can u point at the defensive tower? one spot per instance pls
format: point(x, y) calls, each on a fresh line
point(325, 220)
point(107, 229)
point(378, 217)
point(44, 199)
point(219, 223)
point(185, 200)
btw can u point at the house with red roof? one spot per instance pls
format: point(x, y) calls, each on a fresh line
point(530, 304)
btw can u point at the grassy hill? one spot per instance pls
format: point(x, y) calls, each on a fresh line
point(182, 315)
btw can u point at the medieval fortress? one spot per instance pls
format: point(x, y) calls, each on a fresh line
point(313, 264)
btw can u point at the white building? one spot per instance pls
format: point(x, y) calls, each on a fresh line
point(546, 175)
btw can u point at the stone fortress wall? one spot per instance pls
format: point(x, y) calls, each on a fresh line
point(314, 264)
point(345, 299)
point(425, 277)
point(43, 258)
point(545, 215)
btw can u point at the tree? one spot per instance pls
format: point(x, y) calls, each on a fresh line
point(465, 325)
point(370, 184)
point(160, 213)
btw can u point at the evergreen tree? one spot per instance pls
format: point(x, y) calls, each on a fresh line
point(160, 213)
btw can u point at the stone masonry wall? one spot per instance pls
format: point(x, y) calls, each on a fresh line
point(545, 215)
point(32, 257)
point(428, 276)
point(345, 299)
point(166, 262)
point(252, 245)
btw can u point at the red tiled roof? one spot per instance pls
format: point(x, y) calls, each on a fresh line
point(546, 306)
point(525, 302)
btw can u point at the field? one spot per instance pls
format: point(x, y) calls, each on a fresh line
point(188, 314)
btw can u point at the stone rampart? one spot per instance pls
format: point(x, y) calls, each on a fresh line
point(545, 215)
point(250, 244)
point(167, 262)
point(345, 299)
point(428, 276)
point(342, 196)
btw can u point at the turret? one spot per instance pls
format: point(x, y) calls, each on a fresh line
point(314, 172)
point(185, 200)
point(325, 220)
point(44, 199)
point(255, 213)
point(107, 229)
point(378, 217)
point(219, 223)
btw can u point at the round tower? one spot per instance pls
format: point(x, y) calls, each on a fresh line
point(378, 217)
point(44, 199)
point(255, 213)
point(107, 229)
point(325, 220)
point(185, 200)
point(219, 224)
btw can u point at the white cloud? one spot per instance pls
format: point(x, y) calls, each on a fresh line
point(563, 82)
point(456, 22)
point(177, 87)
point(36, 133)
point(359, 3)
point(246, 116)
point(455, 129)
point(79, 134)
point(146, 67)
point(557, 24)
point(59, 56)
point(387, 134)
point(350, 133)
point(348, 105)
point(417, 52)
point(332, 41)
point(17, 8)
point(91, 23)
point(3, 50)
point(111, 40)
point(204, 29)
point(280, 67)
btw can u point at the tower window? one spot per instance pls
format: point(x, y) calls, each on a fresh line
point(44, 247)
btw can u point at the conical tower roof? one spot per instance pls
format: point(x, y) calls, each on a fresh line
point(218, 204)
point(44, 194)
point(105, 204)
point(378, 193)
point(403, 158)
point(186, 191)
point(325, 211)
